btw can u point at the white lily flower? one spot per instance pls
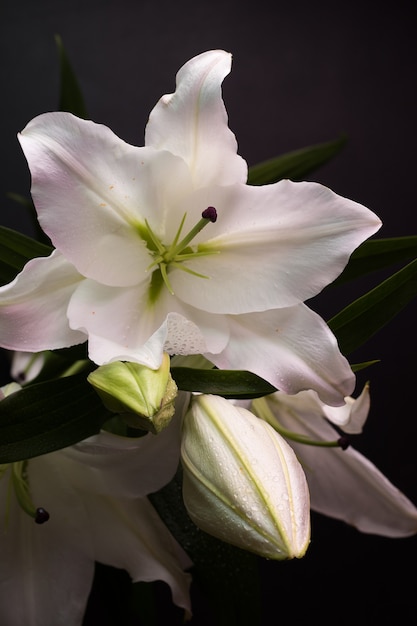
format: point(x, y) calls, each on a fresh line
point(165, 248)
point(95, 495)
point(242, 482)
point(343, 484)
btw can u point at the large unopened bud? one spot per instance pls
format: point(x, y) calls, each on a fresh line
point(142, 396)
point(242, 481)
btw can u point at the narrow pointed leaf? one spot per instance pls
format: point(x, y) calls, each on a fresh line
point(361, 319)
point(226, 383)
point(377, 254)
point(70, 98)
point(295, 165)
point(49, 416)
point(15, 251)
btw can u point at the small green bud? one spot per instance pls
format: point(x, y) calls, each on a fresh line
point(143, 397)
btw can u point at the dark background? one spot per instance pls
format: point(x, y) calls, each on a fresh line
point(303, 73)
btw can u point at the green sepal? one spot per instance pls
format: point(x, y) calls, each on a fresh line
point(15, 251)
point(295, 165)
point(377, 254)
point(227, 383)
point(70, 98)
point(49, 416)
point(364, 317)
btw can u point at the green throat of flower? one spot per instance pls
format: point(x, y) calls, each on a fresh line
point(19, 484)
point(175, 255)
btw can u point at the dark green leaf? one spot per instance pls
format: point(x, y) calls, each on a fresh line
point(356, 367)
point(227, 577)
point(226, 383)
point(48, 416)
point(15, 251)
point(377, 254)
point(71, 98)
point(295, 165)
point(361, 319)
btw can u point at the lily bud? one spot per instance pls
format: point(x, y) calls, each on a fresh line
point(142, 396)
point(242, 482)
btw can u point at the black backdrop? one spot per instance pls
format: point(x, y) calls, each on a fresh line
point(303, 73)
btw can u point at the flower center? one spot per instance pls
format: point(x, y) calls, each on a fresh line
point(19, 482)
point(175, 255)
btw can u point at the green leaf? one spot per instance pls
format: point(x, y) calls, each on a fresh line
point(295, 165)
point(356, 367)
point(49, 416)
point(377, 254)
point(227, 577)
point(226, 383)
point(15, 251)
point(71, 98)
point(361, 319)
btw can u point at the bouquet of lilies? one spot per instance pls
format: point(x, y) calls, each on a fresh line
point(171, 394)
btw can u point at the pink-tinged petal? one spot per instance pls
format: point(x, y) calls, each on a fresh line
point(93, 192)
point(130, 535)
point(291, 348)
point(110, 465)
point(343, 483)
point(272, 246)
point(33, 307)
point(122, 325)
point(192, 122)
point(46, 571)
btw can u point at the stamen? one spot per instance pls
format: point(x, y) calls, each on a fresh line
point(344, 442)
point(41, 515)
point(19, 480)
point(210, 214)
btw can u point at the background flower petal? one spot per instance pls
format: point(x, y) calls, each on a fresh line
point(111, 465)
point(130, 535)
point(346, 485)
point(46, 571)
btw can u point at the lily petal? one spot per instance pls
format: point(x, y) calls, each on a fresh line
point(34, 306)
point(128, 467)
point(291, 348)
point(143, 546)
point(343, 483)
point(192, 122)
point(32, 556)
point(351, 417)
point(122, 325)
point(272, 246)
point(92, 191)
